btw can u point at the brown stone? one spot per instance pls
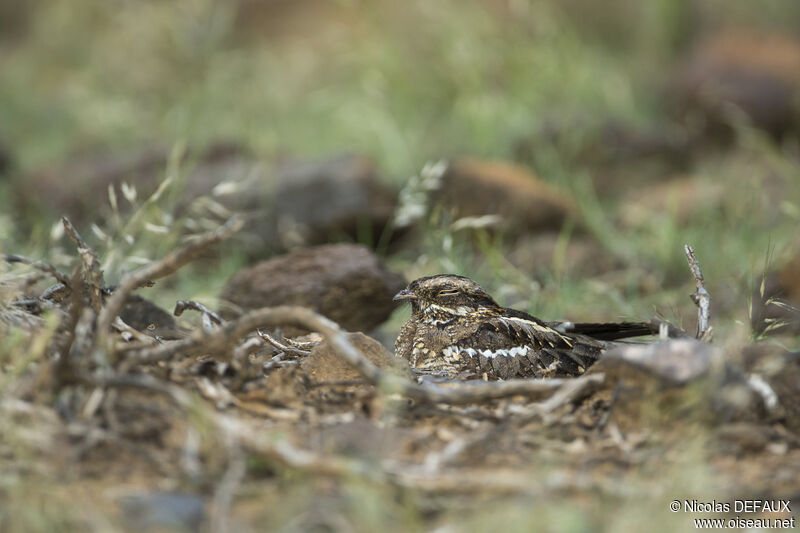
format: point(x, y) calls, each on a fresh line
point(345, 282)
point(581, 256)
point(789, 279)
point(776, 302)
point(685, 380)
point(473, 188)
point(661, 383)
point(777, 375)
point(684, 198)
point(325, 365)
point(341, 196)
point(758, 73)
point(7, 160)
point(670, 363)
point(78, 187)
point(146, 317)
point(617, 151)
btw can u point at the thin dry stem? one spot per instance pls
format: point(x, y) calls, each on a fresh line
point(183, 305)
point(159, 269)
point(91, 265)
point(700, 297)
point(38, 265)
point(283, 347)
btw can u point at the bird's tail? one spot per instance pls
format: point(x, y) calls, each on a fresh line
point(606, 331)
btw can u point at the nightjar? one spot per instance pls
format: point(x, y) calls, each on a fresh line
point(456, 329)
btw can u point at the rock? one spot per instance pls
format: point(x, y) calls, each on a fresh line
point(474, 188)
point(146, 317)
point(345, 282)
point(15, 318)
point(661, 383)
point(328, 199)
point(16, 21)
point(324, 365)
point(360, 438)
point(757, 73)
point(776, 305)
point(79, 185)
point(163, 511)
point(684, 381)
point(231, 176)
point(788, 279)
point(582, 256)
point(671, 363)
point(622, 143)
point(684, 198)
point(618, 152)
point(324, 379)
point(740, 438)
point(7, 162)
point(775, 373)
point(78, 188)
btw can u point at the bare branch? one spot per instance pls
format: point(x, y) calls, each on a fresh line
point(91, 265)
point(132, 333)
point(63, 346)
point(159, 269)
point(700, 297)
point(283, 347)
point(571, 391)
point(183, 305)
point(38, 265)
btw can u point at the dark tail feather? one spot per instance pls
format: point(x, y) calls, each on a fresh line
point(609, 331)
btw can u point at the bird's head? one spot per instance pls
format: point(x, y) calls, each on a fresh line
point(447, 293)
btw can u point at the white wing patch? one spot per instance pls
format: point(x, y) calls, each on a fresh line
point(456, 353)
point(538, 327)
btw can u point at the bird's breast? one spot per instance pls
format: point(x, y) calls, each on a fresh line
point(431, 339)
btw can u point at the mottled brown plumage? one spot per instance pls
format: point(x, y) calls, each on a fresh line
point(456, 329)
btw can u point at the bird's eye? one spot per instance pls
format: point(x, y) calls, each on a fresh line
point(448, 292)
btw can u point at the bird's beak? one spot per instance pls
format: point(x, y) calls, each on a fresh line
point(405, 294)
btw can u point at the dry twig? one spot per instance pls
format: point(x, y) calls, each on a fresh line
point(572, 391)
point(183, 305)
point(130, 333)
point(700, 297)
point(283, 347)
point(38, 265)
point(209, 317)
point(93, 276)
point(159, 269)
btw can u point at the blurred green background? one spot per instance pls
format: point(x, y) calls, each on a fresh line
point(605, 101)
point(664, 122)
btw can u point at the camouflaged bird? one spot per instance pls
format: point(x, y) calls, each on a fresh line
point(456, 329)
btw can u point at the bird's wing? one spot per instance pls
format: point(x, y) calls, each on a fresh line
point(514, 343)
point(528, 329)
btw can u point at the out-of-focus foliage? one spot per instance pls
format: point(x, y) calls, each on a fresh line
point(552, 85)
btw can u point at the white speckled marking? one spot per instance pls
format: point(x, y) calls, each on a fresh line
point(460, 311)
point(455, 352)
